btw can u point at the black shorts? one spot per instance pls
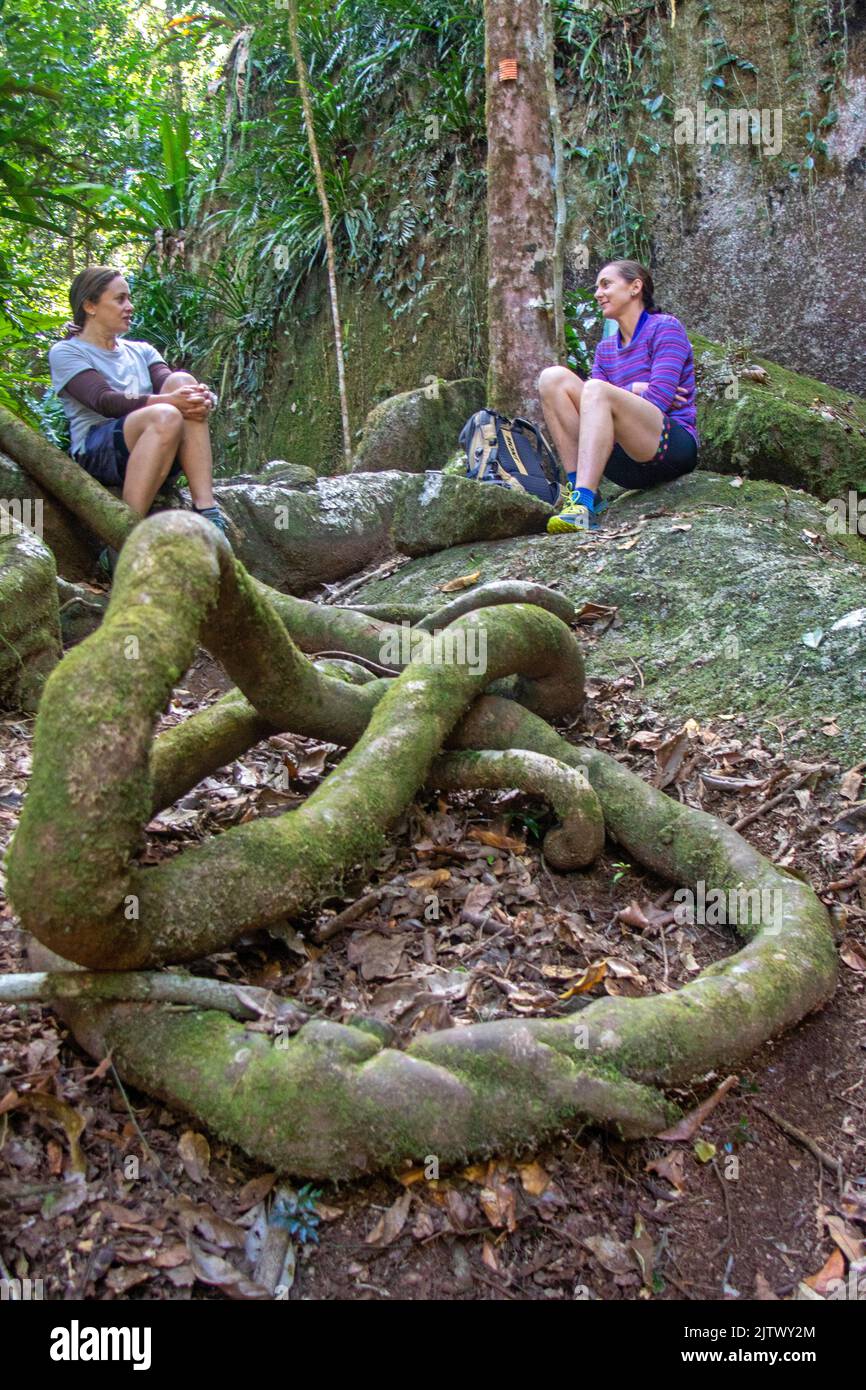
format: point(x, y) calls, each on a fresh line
point(677, 454)
point(105, 454)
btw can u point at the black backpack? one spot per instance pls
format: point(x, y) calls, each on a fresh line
point(512, 453)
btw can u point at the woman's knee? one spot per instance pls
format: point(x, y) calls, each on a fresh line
point(552, 379)
point(166, 420)
point(593, 391)
point(175, 380)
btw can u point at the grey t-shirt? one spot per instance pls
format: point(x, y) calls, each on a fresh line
point(124, 367)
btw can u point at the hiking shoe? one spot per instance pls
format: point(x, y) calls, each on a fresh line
point(573, 517)
point(107, 562)
point(215, 516)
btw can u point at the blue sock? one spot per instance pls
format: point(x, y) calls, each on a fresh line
point(572, 479)
point(586, 496)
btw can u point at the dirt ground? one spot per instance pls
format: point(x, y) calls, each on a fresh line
point(465, 922)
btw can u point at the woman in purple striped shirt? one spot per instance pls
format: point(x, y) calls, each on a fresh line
point(633, 421)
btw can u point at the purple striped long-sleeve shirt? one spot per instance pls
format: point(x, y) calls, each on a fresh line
point(659, 352)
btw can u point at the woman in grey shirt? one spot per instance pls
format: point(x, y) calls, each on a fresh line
point(134, 422)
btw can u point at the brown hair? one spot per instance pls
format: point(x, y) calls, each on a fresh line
point(633, 270)
point(89, 284)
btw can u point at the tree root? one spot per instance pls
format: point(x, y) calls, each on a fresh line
point(91, 792)
point(332, 1100)
point(578, 841)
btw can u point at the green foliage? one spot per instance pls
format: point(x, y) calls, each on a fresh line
point(296, 1213)
point(615, 68)
point(582, 317)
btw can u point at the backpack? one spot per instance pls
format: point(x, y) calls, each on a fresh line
point(512, 453)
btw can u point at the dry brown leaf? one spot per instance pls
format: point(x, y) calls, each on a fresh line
point(669, 757)
point(496, 840)
point(477, 1172)
point(499, 1204)
point(591, 612)
point(194, 1153)
point(378, 956)
point(533, 1178)
point(171, 1256)
point(833, 1269)
point(71, 1120)
point(591, 976)
point(629, 545)
point(672, 1168)
point(611, 1254)
point(255, 1191)
point(853, 954)
point(847, 1239)
point(849, 786)
point(488, 1256)
point(465, 581)
point(391, 1222)
point(409, 1179)
point(429, 880)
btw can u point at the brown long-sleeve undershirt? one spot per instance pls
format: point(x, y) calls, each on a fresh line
point(91, 389)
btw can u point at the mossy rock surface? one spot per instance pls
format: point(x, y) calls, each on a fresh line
point(417, 430)
point(716, 586)
point(784, 428)
point(29, 620)
point(294, 540)
point(73, 544)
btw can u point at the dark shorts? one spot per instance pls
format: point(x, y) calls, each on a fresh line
point(105, 454)
point(677, 454)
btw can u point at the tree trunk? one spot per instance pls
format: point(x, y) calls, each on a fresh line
point(520, 205)
point(301, 70)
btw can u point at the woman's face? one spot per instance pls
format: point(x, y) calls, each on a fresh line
point(112, 311)
point(613, 293)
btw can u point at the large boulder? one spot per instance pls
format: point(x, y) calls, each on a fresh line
point(417, 430)
point(730, 599)
point(29, 619)
point(294, 539)
point(764, 421)
point(73, 545)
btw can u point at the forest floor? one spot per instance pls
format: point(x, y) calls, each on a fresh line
point(741, 1208)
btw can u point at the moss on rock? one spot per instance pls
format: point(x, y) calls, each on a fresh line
point(716, 588)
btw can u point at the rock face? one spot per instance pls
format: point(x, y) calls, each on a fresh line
point(293, 540)
point(760, 420)
point(74, 547)
point(731, 599)
point(417, 430)
point(29, 619)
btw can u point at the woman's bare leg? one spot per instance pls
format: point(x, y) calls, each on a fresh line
point(609, 415)
point(196, 456)
point(586, 419)
point(152, 436)
point(560, 392)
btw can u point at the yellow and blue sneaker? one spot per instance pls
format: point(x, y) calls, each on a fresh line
point(576, 515)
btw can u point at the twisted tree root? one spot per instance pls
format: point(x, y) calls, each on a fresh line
point(579, 840)
point(69, 869)
point(332, 1100)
